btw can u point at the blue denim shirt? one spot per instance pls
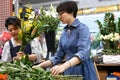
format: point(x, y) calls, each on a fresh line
point(76, 43)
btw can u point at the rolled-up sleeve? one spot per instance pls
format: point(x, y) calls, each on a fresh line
point(84, 43)
point(58, 55)
point(36, 49)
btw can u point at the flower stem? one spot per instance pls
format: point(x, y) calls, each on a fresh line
point(22, 48)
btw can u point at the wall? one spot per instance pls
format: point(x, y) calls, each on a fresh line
point(5, 11)
point(89, 20)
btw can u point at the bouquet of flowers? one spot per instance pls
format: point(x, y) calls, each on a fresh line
point(49, 17)
point(30, 30)
point(110, 33)
point(39, 21)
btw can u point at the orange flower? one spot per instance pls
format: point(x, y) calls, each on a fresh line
point(3, 77)
point(116, 74)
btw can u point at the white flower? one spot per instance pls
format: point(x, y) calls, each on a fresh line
point(32, 15)
point(106, 37)
point(111, 37)
point(116, 37)
point(101, 36)
point(52, 12)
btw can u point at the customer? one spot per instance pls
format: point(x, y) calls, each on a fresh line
point(74, 45)
point(11, 47)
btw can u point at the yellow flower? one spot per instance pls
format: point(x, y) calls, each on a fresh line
point(32, 26)
point(28, 27)
point(29, 10)
point(26, 22)
point(20, 34)
point(20, 10)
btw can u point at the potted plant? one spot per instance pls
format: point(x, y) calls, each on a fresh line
point(110, 33)
point(110, 36)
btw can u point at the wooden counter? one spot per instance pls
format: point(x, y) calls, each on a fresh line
point(107, 69)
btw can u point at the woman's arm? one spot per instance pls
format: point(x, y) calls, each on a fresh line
point(72, 62)
point(36, 55)
point(61, 68)
point(45, 64)
point(32, 57)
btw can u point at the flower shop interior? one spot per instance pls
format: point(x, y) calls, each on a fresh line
point(101, 16)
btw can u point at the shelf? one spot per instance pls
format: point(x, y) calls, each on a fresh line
point(106, 69)
point(113, 64)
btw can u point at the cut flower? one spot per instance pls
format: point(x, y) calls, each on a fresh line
point(48, 17)
point(38, 22)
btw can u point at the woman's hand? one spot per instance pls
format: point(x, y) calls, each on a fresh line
point(57, 69)
point(35, 66)
point(19, 55)
point(62, 67)
point(44, 64)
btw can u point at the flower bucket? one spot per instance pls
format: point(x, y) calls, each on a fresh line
point(107, 44)
point(50, 40)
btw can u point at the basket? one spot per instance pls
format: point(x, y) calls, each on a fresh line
point(69, 77)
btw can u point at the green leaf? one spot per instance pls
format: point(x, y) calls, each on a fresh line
point(13, 69)
point(1, 63)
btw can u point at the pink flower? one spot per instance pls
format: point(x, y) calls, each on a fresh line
point(5, 36)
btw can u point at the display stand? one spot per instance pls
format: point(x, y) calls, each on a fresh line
point(106, 69)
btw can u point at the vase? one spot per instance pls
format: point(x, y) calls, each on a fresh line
point(50, 40)
point(107, 44)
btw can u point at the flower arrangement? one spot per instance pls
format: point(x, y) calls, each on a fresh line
point(35, 22)
point(29, 30)
point(110, 33)
point(48, 17)
point(51, 21)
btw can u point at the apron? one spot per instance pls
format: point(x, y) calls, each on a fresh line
point(13, 50)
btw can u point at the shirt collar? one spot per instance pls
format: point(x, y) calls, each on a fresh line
point(73, 25)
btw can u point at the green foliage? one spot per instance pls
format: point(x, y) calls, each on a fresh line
point(21, 70)
point(51, 22)
point(109, 25)
point(111, 51)
point(118, 25)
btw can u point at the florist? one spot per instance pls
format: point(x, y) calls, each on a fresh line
point(11, 49)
